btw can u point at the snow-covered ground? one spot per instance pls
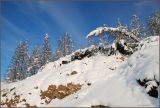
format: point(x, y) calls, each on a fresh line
point(113, 80)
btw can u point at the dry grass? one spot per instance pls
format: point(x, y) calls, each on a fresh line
point(14, 101)
point(59, 92)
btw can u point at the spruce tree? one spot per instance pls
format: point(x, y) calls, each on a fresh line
point(65, 45)
point(136, 27)
point(46, 51)
point(23, 60)
point(19, 63)
point(153, 24)
point(35, 62)
point(57, 54)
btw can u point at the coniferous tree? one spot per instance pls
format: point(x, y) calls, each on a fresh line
point(57, 54)
point(20, 63)
point(65, 45)
point(23, 60)
point(153, 24)
point(14, 62)
point(35, 62)
point(46, 51)
point(136, 27)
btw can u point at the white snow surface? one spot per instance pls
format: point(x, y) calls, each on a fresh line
point(113, 81)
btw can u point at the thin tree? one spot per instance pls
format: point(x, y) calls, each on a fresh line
point(23, 60)
point(19, 63)
point(136, 27)
point(46, 51)
point(57, 54)
point(65, 45)
point(153, 24)
point(35, 62)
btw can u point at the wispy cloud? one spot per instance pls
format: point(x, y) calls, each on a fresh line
point(140, 6)
point(53, 11)
point(34, 18)
point(64, 19)
point(14, 32)
point(11, 35)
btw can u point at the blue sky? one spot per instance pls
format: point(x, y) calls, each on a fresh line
point(31, 20)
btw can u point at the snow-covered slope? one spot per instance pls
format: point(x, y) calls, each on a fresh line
point(105, 80)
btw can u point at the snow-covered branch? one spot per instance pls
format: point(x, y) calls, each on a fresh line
point(101, 30)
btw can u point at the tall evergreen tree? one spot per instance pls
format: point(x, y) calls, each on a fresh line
point(153, 24)
point(46, 51)
point(20, 63)
point(65, 45)
point(15, 63)
point(57, 54)
point(35, 62)
point(136, 27)
point(23, 60)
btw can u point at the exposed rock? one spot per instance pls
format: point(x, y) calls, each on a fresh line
point(151, 88)
point(65, 62)
point(12, 89)
point(88, 84)
point(73, 73)
point(5, 94)
point(36, 87)
point(99, 106)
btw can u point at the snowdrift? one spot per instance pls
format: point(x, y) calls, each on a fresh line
point(104, 80)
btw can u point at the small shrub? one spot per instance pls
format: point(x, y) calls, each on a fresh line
point(65, 62)
point(88, 84)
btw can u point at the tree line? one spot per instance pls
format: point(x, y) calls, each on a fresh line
point(24, 65)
